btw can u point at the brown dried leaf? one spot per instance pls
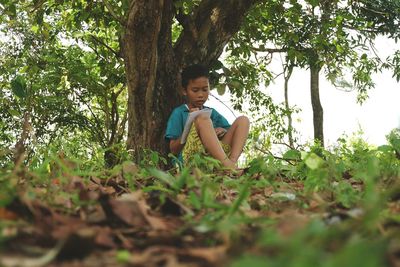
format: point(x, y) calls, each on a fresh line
point(104, 237)
point(65, 226)
point(394, 252)
point(129, 169)
point(128, 211)
point(133, 210)
point(8, 232)
point(107, 190)
point(268, 191)
point(18, 261)
point(126, 243)
point(63, 200)
point(96, 214)
point(155, 222)
point(6, 214)
point(157, 256)
point(211, 254)
point(291, 221)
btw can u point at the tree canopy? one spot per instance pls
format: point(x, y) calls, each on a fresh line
point(94, 67)
point(86, 90)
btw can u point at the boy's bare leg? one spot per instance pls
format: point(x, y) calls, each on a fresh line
point(236, 137)
point(210, 141)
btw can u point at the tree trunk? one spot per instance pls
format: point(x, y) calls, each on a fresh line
point(153, 63)
point(151, 86)
point(318, 113)
point(287, 106)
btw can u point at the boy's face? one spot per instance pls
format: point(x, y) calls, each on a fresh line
point(197, 92)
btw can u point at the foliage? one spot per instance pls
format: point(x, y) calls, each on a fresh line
point(333, 34)
point(85, 94)
point(310, 207)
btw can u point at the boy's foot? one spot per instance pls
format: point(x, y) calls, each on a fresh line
point(237, 172)
point(229, 164)
point(233, 172)
point(232, 169)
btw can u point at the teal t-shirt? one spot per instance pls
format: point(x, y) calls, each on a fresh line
point(177, 120)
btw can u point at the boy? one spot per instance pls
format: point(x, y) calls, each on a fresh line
point(212, 135)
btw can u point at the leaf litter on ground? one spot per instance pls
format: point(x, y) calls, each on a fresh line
point(148, 217)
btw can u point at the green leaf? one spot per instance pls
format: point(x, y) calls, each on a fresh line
point(35, 28)
point(154, 157)
point(243, 194)
point(345, 194)
point(163, 176)
point(303, 155)
point(181, 181)
point(221, 88)
point(313, 161)
point(253, 261)
point(194, 200)
point(123, 256)
point(12, 10)
point(339, 48)
point(292, 154)
point(14, 112)
point(235, 85)
point(18, 86)
point(385, 148)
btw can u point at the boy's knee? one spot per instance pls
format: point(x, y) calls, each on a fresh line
point(243, 120)
point(201, 119)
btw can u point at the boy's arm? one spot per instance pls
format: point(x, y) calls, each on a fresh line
point(175, 146)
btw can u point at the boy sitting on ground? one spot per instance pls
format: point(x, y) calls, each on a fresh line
point(211, 135)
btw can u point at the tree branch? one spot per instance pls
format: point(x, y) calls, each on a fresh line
point(371, 10)
point(214, 22)
point(98, 40)
point(269, 50)
point(219, 100)
point(187, 24)
point(267, 152)
point(122, 126)
point(113, 13)
point(100, 133)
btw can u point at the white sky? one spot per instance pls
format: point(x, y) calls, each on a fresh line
point(376, 117)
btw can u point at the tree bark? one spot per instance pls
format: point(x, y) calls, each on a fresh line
point(153, 63)
point(209, 29)
point(318, 113)
point(287, 76)
point(141, 56)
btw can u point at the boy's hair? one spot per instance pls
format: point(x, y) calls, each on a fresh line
point(193, 72)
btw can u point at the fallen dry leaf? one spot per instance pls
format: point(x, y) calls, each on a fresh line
point(65, 225)
point(211, 254)
point(291, 221)
point(18, 261)
point(126, 243)
point(107, 190)
point(128, 211)
point(157, 256)
point(133, 210)
point(6, 214)
point(129, 168)
point(104, 237)
point(394, 252)
point(94, 214)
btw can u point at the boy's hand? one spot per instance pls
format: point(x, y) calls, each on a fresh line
point(220, 132)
